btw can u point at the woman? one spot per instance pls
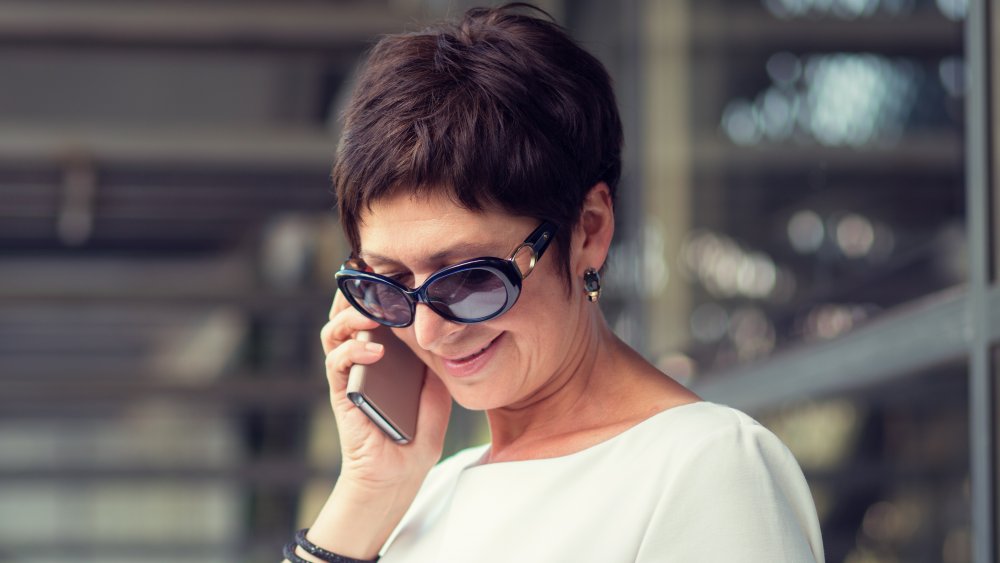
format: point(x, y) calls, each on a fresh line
point(499, 137)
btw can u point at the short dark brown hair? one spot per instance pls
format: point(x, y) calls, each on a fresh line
point(500, 111)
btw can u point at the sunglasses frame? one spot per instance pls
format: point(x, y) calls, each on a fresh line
point(506, 269)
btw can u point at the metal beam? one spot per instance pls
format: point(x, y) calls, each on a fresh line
point(936, 153)
point(908, 339)
point(736, 24)
point(245, 547)
point(275, 473)
point(178, 299)
point(27, 394)
point(288, 24)
point(300, 149)
point(129, 550)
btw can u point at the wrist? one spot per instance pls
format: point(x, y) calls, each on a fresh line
point(355, 486)
point(360, 515)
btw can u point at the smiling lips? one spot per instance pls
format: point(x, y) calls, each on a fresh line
point(468, 365)
point(472, 355)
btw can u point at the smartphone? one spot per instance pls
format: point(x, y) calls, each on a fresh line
point(388, 391)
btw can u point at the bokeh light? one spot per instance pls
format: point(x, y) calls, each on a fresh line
point(709, 323)
point(835, 99)
point(843, 9)
point(725, 269)
point(740, 122)
point(805, 231)
point(821, 433)
point(951, 70)
point(955, 10)
point(752, 334)
point(829, 320)
point(852, 98)
point(784, 68)
point(855, 235)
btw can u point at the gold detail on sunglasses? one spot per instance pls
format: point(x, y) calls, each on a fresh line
point(532, 259)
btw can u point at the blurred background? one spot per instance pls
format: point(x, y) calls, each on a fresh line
point(806, 231)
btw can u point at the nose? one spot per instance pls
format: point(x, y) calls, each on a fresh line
point(431, 329)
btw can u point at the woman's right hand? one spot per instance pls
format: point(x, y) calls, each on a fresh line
point(370, 460)
point(378, 477)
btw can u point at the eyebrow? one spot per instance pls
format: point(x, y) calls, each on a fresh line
point(459, 252)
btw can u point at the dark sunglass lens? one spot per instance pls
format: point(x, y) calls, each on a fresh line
point(469, 294)
point(380, 300)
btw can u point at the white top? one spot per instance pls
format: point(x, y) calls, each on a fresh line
point(697, 483)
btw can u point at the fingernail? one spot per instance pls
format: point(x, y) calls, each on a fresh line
point(374, 347)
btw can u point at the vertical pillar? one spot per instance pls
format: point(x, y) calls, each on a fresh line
point(666, 168)
point(981, 389)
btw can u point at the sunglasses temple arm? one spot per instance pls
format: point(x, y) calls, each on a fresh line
point(542, 237)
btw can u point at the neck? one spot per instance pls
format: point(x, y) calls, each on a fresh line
point(573, 399)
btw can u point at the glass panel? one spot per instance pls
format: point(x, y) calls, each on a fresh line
point(994, 109)
point(810, 176)
point(77, 483)
point(111, 411)
point(889, 468)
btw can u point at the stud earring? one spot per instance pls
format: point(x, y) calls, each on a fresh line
point(592, 284)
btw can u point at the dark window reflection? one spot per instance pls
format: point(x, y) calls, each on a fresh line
point(888, 467)
point(827, 183)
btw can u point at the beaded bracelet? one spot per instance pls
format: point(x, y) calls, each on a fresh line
point(289, 552)
point(317, 551)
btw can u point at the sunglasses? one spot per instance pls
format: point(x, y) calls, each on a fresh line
point(469, 292)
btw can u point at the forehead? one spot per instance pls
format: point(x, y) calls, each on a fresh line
point(431, 228)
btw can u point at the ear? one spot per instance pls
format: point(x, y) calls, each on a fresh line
point(593, 233)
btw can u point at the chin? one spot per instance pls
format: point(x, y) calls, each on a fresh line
point(474, 400)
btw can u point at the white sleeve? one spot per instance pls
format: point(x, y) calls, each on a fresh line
point(738, 496)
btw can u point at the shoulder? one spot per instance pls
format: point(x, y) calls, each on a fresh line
point(703, 427)
point(703, 416)
point(731, 487)
point(722, 429)
point(718, 446)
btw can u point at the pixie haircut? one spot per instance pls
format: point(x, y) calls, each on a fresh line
point(500, 111)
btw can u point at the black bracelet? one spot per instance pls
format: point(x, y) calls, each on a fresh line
point(289, 553)
point(317, 551)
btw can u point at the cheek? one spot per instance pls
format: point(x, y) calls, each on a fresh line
point(546, 292)
point(544, 311)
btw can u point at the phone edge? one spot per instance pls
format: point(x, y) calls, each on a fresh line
point(378, 418)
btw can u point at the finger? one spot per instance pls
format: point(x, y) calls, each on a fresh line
point(343, 327)
point(343, 357)
point(339, 303)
